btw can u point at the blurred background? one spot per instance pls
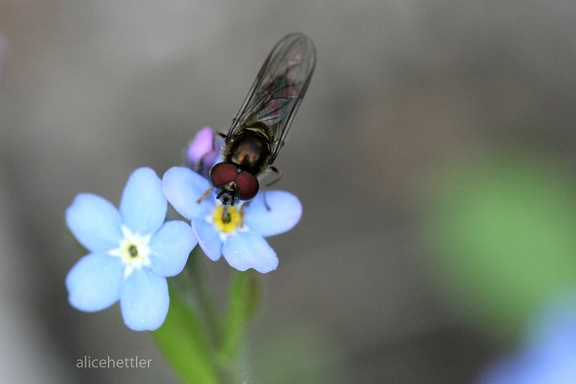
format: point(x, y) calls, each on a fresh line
point(434, 155)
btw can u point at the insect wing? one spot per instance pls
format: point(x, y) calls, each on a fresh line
point(279, 88)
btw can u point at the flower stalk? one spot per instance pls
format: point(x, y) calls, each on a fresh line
point(202, 344)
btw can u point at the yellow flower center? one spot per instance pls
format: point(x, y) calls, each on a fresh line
point(226, 222)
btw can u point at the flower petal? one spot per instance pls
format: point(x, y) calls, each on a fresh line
point(94, 282)
point(143, 206)
point(183, 188)
point(95, 222)
point(200, 146)
point(170, 247)
point(284, 213)
point(245, 250)
point(208, 238)
point(144, 300)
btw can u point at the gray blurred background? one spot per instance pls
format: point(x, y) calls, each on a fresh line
point(91, 90)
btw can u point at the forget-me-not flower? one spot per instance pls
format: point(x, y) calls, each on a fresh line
point(240, 237)
point(132, 251)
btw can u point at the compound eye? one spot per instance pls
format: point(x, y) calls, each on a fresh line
point(247, 185)
point(223, 173)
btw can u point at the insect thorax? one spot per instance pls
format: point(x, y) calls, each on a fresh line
point(250, 149)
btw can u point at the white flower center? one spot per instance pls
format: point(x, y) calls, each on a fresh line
point(134, 251)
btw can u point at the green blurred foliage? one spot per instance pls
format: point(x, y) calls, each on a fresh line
point(297, 352)
point(502, 229)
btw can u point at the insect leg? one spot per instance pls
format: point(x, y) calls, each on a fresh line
point(205, 195)
point(206, 161)
point(279, 174)
point(242, 209)
point(214, 146)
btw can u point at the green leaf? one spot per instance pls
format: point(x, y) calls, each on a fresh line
point(182, 340)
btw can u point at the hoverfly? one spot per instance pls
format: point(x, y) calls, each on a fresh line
point(260, 127)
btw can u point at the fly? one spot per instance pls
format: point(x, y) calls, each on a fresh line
point(260, 127)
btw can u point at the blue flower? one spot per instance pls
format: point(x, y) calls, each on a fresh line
point(132, 251)
point(240, 238)
point(549, 353)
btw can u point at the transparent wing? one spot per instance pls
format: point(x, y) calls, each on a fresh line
point(279, 88)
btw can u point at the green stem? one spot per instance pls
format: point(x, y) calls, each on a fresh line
point(199, 345)
point(243, 300)
point(198, 291)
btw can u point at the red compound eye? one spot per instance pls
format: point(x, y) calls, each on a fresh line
point(247, 185)
point(223, 173)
